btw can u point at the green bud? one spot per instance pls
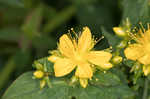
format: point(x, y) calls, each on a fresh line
point(38, 65)
point(117, 59)
point(42, 84)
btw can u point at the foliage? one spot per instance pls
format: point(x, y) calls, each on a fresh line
point(30, 28)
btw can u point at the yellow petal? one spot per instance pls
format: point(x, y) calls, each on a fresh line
point(84, 71)
point(66, 46)
point(134, 51)
point(145, 59)
point(53, 58)
point(63, 67)
point(106, 65)
point(85, 41)
point(99, 57)
point(146, 70)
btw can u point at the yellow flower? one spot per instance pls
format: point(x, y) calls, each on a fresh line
point(76, 53)
point(141, 49)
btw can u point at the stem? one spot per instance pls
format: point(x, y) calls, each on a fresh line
point(6, 72)
point(145, 89)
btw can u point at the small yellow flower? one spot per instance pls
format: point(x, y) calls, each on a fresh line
point(140, 50)
point(76, 53)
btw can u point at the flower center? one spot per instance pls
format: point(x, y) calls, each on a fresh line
point(78, 58)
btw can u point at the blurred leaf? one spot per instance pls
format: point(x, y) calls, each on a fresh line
point(44, 42)
point(49, 12)
point(14, 3)
point(59, 18)
point(18, 60)
point(135, 10)
point(10, 34)
point(13, 17)
point(32, 22)
point(97, 12)
point(29, 89)
point(30, 3)
point(23, 60)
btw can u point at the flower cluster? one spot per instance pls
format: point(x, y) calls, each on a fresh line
point(75, 53)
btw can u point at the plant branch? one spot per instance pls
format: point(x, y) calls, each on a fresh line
point(145, 89)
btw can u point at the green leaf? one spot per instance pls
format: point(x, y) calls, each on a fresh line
point(27, 88)
point(135, 10)
point(106, 79)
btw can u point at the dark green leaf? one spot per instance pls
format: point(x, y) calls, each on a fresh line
point(27, 88)
point(106, 79)
point(135, 10)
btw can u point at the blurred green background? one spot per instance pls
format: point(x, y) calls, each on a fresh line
point(30, 28)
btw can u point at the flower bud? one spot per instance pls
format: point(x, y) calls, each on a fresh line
point(119, 31)
point(42, 83)
point(146, 69)
point(117, 59)
point(38, 74)
point(83, 82)
point(38, 65)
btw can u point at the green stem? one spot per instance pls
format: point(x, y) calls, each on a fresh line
point(6, 72)
point(145, 89)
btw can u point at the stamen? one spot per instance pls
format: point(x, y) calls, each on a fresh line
point(142, 27)
point(96, 41)
point(76, 36)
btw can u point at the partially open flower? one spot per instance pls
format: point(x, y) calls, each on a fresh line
point(140, 51)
